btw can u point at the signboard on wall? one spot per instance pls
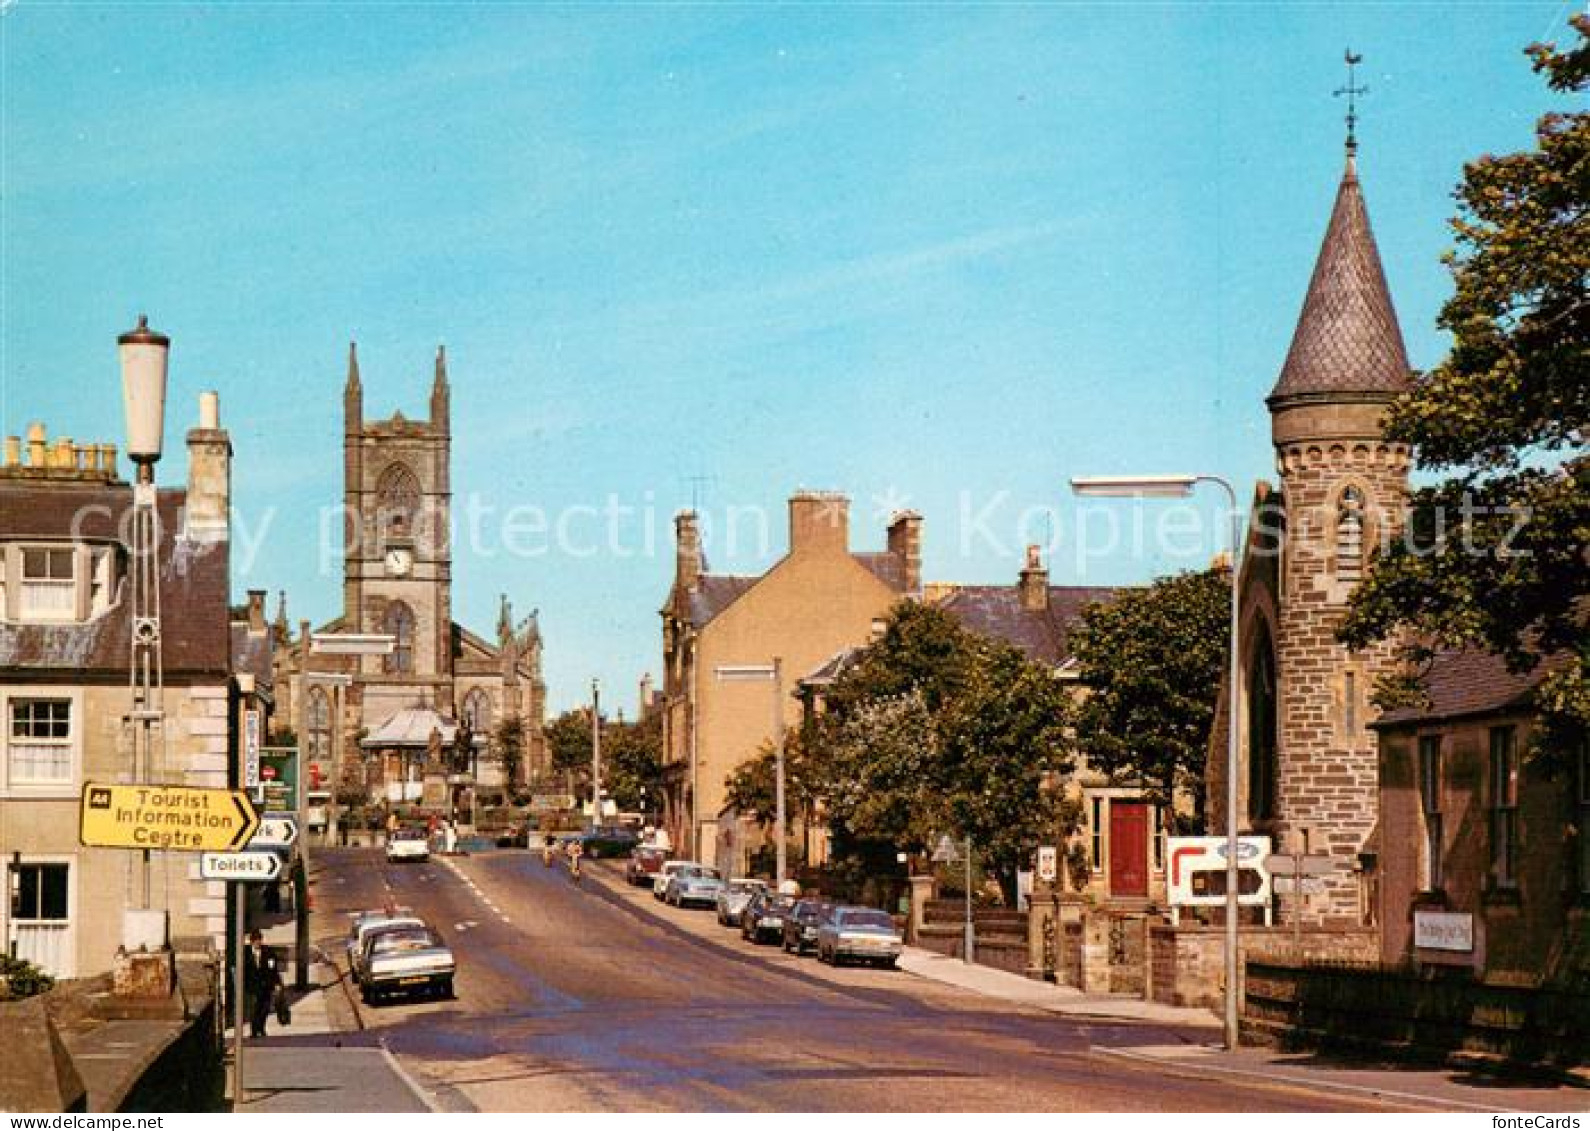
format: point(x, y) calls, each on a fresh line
point(1048, 863)
point(1443, 930)
point(251, 749)
point(1195, 871)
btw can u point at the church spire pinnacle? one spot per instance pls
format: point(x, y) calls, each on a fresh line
point(1347, 343)
point(441, 393)
point(354, 385)
point(1352, 90)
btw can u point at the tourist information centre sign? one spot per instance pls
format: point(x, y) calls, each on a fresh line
point(166, 817)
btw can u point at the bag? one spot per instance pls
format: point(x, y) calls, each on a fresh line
point(284, 1012)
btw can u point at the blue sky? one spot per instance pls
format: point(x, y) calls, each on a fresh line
point(929, 254)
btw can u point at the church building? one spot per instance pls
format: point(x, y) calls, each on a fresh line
point(395, 714)
point(1309, 761)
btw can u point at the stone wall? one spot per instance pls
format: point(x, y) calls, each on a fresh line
point(1428, 1014)
point(1186, 964)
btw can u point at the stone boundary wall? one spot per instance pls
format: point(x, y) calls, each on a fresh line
point(1186, 964)
point(1428, 1015)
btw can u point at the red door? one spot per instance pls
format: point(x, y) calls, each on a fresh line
point(1129, 849)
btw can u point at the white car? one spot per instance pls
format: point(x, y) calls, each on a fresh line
point(659, 881)
point(401, 960)
point(369, 921)
point(408, 846)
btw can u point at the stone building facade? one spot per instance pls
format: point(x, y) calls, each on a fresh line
point(818, 600)
point(398, 582)
point(1304, 715)
point(65, 656)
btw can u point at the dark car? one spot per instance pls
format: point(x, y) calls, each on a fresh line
point(763, 918)
point(802, 923)
point(609, 842)
point(644, 863)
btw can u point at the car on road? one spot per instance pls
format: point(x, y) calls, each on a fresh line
point(763, 917)
point(864, 934)
point(643, 865)
point(694, 884)
point(733, 898)
point(660, 878)
point(801, 924)
point(408, 846)
point(608, 842)
point(368, 921)
point(406, 960)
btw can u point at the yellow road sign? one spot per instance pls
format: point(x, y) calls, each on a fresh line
point(170, 817)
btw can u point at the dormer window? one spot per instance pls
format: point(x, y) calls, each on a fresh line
point(61, 583)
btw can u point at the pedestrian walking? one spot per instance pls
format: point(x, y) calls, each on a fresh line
point(262, 980)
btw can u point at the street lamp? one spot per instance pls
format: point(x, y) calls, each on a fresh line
point(773, 673)
point(1180, 487)
point(143, 355)
point(596, 753)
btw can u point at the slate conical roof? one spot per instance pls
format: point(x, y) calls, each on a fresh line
point(1347, 339)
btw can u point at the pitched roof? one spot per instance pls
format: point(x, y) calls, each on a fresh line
point(193, 586)
point(1347, 338)
point(1469, 682)
point(996, 611)
point(886, 567)
point(715, 592)
point(252, 654)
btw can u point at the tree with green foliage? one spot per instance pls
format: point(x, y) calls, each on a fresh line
point(632, 762)
point(1151, 661)
point(509, 741)
point(569, 744)
point(934, 730)
point(1497, 554)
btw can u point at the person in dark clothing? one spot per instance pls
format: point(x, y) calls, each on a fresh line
point(262, 979)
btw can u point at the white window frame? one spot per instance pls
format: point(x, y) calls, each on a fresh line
point(1430, 751)
point(73, 871)
point(71, 585)
point(71, 786)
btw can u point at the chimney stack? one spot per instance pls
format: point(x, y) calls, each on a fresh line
point(819, 522)
point(209, 475)
point(645, 696)
point(905, 543)
point(687, 550)
point(256, 612)
point(1034, 583)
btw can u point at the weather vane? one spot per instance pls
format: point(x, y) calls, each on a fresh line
point(1352, 90)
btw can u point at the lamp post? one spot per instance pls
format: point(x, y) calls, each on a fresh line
point(143, 354)
point(770, 673)
point(596, 753)
point(1180, 487)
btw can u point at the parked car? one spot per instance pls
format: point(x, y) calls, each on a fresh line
point(405, 960)
point(408, 846)
point(861, 933)
point(733, 898)
point(763, 917)
point(609, 842)
point(643, 865)
point(363, 924)
point(800, 925)
point(693, 884)
point(659, 880)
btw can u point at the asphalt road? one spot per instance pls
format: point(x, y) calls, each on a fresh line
point(567, 1000)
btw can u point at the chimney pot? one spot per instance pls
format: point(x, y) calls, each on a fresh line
point(13, 451)
point(210, 410)
point(35, 445)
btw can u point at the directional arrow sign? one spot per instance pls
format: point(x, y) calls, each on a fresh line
point(240, 867)
point(169, 817)
point(275, 832)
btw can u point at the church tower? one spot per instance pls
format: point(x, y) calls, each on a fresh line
point(397, 564)
point(1312, 764)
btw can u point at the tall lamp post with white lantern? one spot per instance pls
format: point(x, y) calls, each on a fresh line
point(1181, 487)
point(143, 354)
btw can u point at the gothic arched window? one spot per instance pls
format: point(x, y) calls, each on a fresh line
point(477, 711)
point(319, 725)
point(1350, 536)
point(399, 624)
point(397, 499)
point(1261, 727)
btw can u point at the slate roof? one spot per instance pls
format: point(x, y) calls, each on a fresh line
point(1466, 682)
point(996, 611)
point(886, 567)
point(1347, 338)
point(195, 616)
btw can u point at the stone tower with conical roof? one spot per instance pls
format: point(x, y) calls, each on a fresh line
point(1343, 488)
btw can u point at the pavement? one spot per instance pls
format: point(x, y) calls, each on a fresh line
point(596, 997)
